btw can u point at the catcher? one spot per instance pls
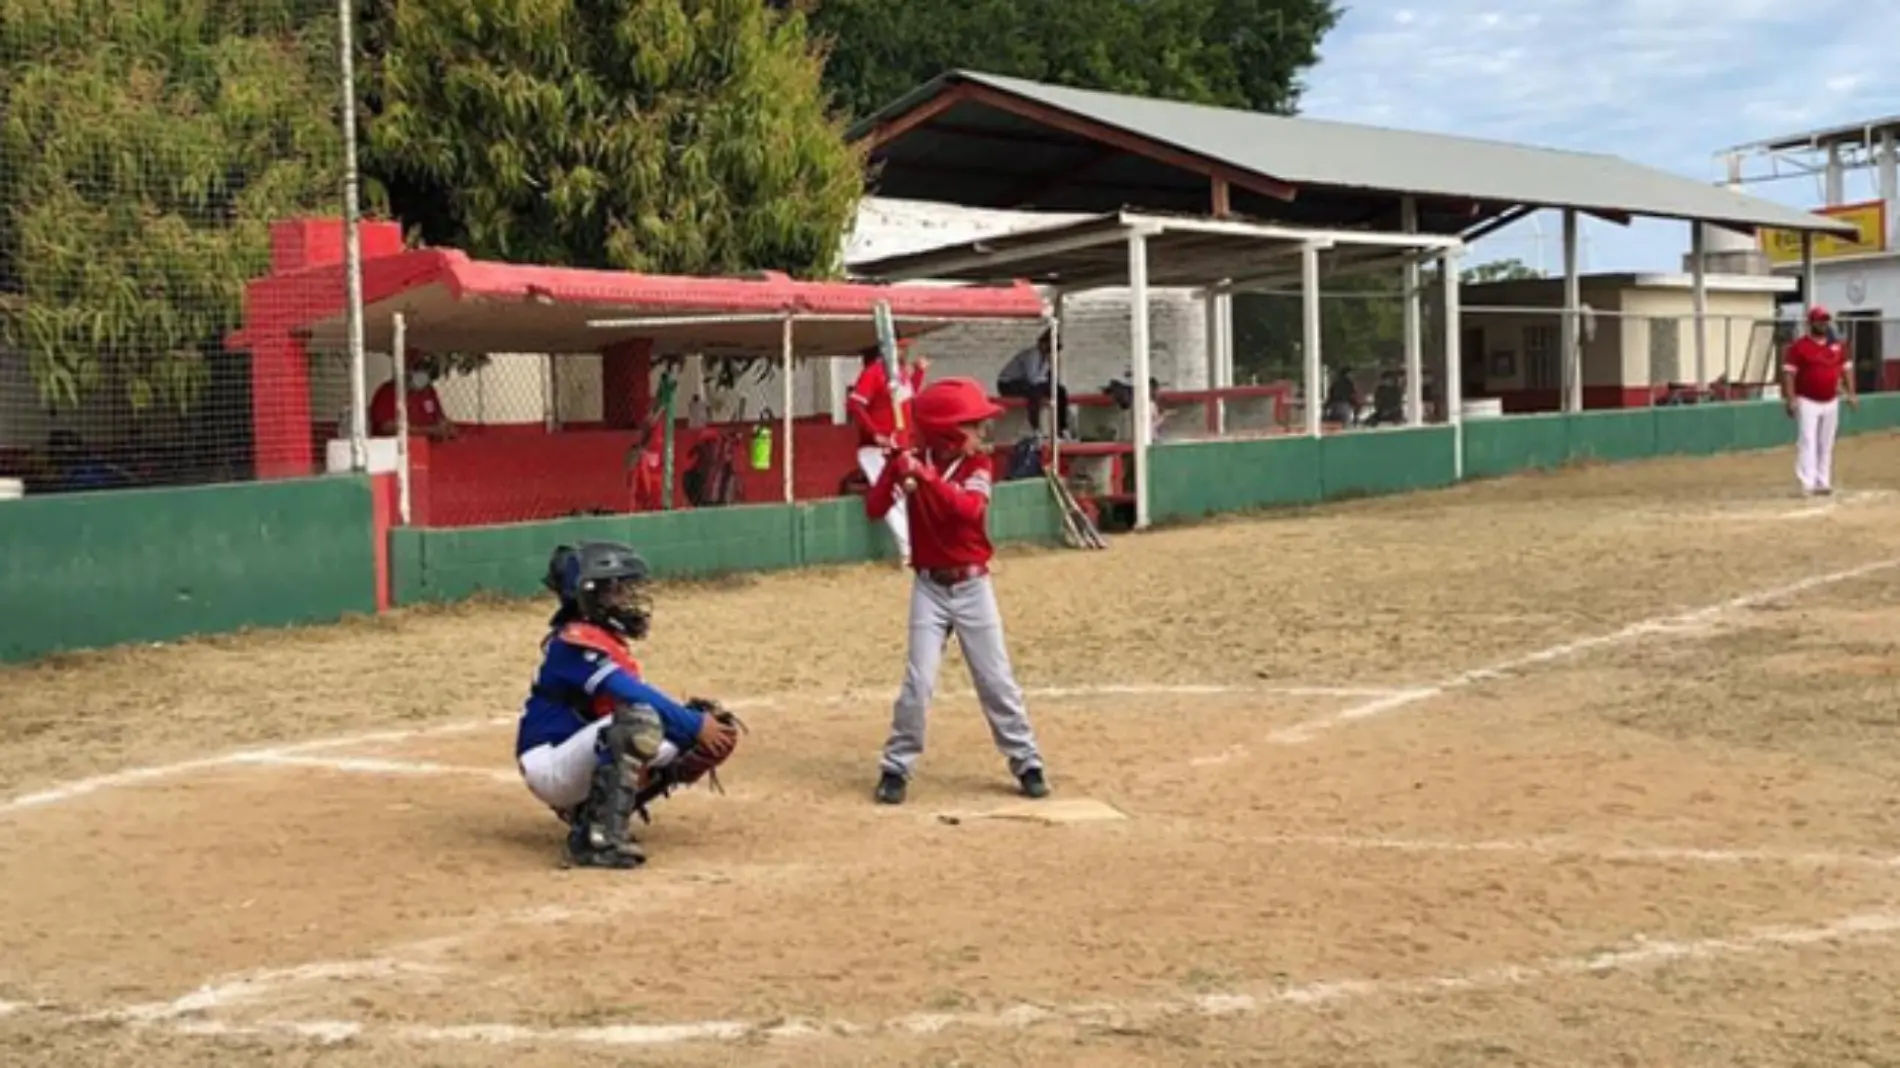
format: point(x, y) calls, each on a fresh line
point(596, 742)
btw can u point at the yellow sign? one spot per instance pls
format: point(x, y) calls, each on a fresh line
point(1870, 218)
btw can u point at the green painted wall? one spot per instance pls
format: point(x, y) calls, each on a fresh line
point(1506, 446)
point(86, 570)
point(450, 565)
point(1200, 478)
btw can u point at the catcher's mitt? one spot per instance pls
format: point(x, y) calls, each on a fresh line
point(718, 737)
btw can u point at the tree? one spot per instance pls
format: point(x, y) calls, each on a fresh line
point(146, 147)
point(681, 136)
point(1234, 53)
point(1509, 270)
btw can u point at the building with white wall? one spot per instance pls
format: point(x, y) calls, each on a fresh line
point(1638, 336)
point(1858, 170)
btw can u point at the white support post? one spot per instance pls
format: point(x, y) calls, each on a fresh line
point(1054, 325)
point(1210, 305)
point(1227, 337)
point(1138, 340)
point(353, 246)
point(1834, 176)
point(1699, 302)
point(1808, 297)
point(1454, 362)
point(1413, 331)
point(1573, 300)
point(1889, 172)
point(399, 360)
point(786, 398)
point(1309, 337)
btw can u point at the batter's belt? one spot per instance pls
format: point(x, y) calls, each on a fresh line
point(950, 576)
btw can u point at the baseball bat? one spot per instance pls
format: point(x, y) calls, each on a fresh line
point(886, 326)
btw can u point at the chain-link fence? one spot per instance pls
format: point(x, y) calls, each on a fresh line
point(146, 149)
point(507, 437)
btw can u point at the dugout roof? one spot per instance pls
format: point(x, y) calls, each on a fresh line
point(452, 303)
point(983, 140)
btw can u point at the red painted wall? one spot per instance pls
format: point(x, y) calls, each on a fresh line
point(516, 473)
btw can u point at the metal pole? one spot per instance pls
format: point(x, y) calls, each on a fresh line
point(1309, 341)
point(1454, 362)
point(785, 398)
point(1699, 294)
point(1414, 339)
point(1138, 340)
point(1055, 381)
point(398, 344)
point(1572, 353)
point(352, 245)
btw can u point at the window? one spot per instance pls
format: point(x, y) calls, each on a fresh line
point(1541, 367)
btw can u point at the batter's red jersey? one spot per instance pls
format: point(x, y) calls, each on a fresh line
point(869, 404)
point(425, 408)
point(1817, 366)
point(948, 511)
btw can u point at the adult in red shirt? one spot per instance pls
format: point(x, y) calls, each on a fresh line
point(426, 415)
point(946, 482)
point(1815, 374)
point(873, 412)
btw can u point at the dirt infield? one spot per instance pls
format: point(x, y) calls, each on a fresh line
point(1594, 768)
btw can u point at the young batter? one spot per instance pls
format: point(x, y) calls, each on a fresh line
point(593, 733)
point(946, 490)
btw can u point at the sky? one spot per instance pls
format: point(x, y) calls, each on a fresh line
point(1666, 83)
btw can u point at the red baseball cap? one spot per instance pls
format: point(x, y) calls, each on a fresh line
point(1817, 313)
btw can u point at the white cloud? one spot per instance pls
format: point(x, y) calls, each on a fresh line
point(1666, 84)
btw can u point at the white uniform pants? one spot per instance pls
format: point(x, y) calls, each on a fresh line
point(561, 776)
point(1816, 424)
point(871, 462)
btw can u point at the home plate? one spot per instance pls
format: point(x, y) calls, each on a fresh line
point(1065, 810)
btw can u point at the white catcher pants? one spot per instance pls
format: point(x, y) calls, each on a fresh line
point(871, 462)
point(1816, 424)
point(560, 776)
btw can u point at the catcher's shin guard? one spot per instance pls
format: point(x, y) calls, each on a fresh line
point(602, 836)
point(635, 733)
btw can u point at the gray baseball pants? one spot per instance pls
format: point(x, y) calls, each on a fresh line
point(968, 610)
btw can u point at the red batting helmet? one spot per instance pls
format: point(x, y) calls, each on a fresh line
point(948, 403)
point(1819, 313)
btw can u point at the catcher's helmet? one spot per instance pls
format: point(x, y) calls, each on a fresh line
point(605, 583)
point(942, 408)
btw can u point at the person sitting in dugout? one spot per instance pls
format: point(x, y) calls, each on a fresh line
point(596, 742)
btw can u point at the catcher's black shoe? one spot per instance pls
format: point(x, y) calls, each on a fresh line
point(890, 789)
point(584, 850)
point(1033, 783)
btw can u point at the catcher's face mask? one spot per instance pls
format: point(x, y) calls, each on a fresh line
point(626, 605)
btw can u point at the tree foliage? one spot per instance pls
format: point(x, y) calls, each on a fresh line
point(1234, 53)
point(146, 147)
point(681, 136)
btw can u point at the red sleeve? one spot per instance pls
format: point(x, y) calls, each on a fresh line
point(883, 495)
point(969, 500)
point(382, 410)
point(858, 404)
point(1796, 356)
